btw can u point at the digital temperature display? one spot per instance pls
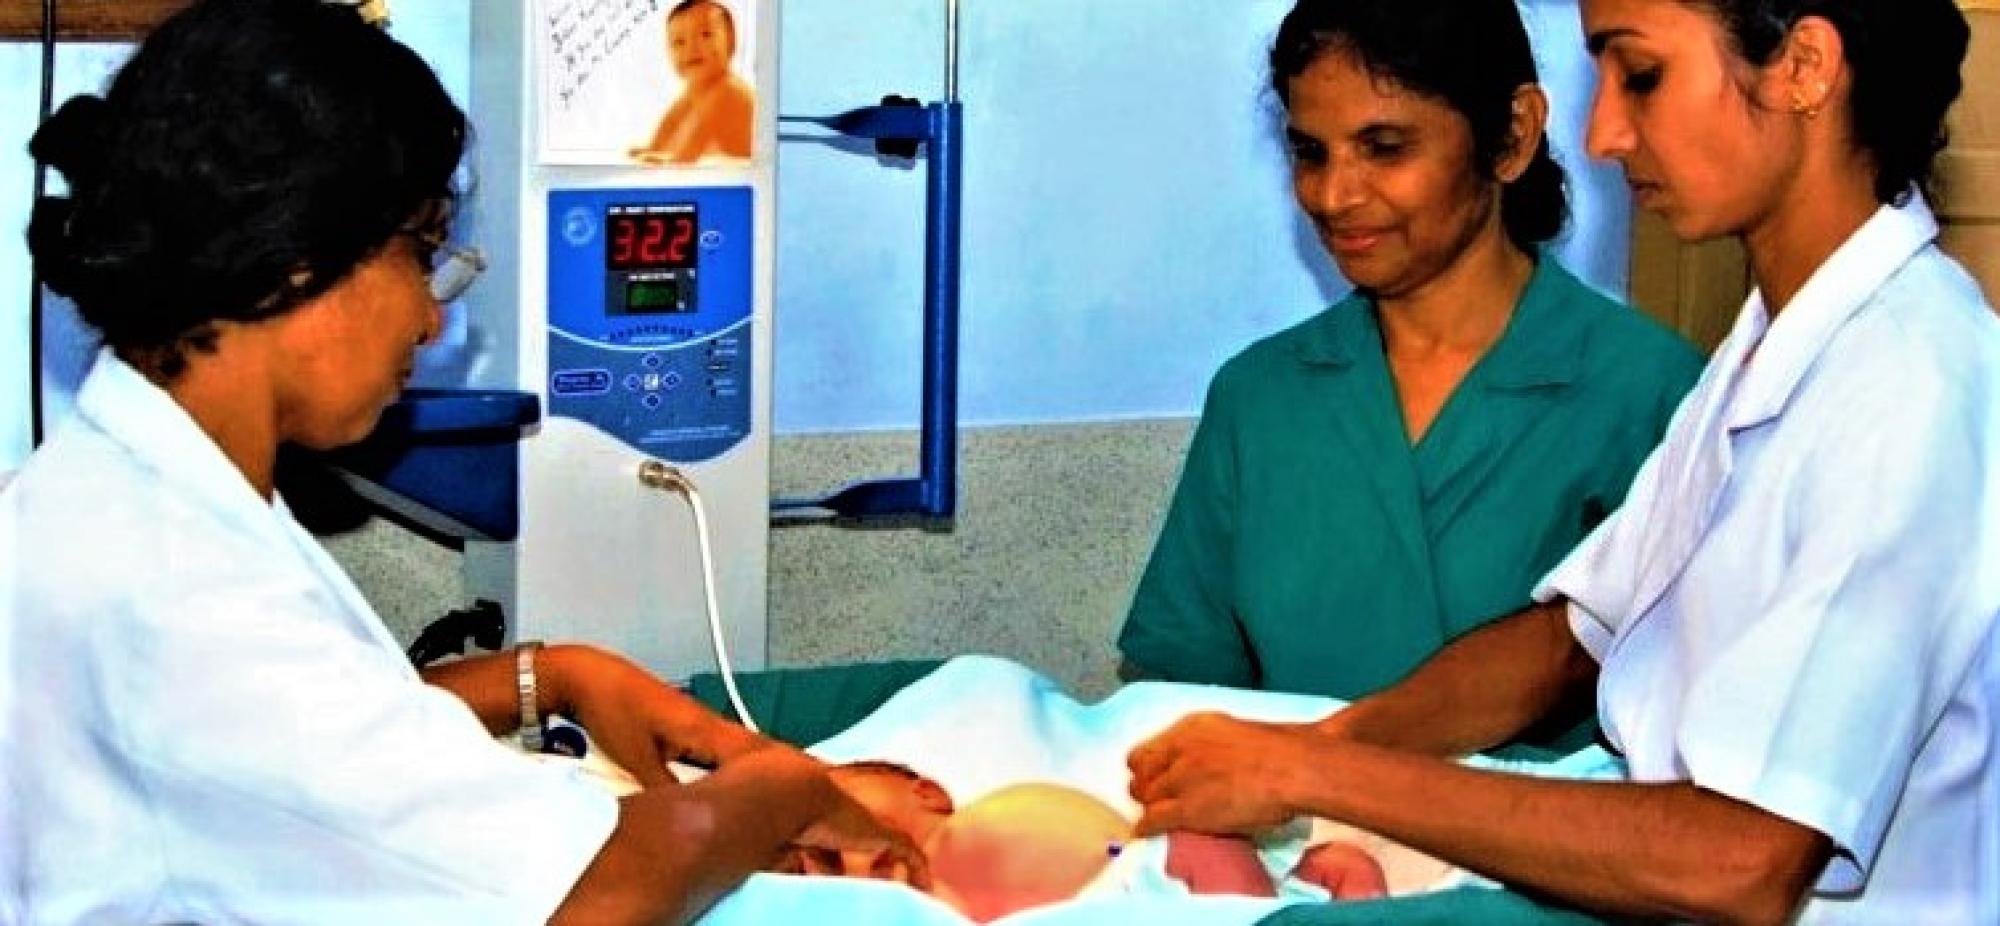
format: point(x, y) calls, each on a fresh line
point(650, 237)
point(653, 297)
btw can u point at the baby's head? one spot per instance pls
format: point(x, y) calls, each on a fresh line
point(902, 799)
point(701, 40)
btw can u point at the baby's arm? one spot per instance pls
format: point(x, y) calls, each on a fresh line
point(656, 149)
point(1344, 869)
point(1217, 864)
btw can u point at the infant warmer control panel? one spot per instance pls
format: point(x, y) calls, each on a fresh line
point(649, 316)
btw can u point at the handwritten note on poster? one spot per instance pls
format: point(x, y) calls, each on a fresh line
point(608, 76)
point(584, 34)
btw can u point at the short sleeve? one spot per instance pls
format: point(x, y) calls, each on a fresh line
point(1817, 711)
point(1182, 625)
point(301, 773)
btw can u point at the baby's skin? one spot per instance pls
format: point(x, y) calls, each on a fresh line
point(1230, 865)
point(1022, 846)
point(1031, 844)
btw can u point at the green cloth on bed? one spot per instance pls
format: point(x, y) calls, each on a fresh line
point(1466, 905)
point(804, 706)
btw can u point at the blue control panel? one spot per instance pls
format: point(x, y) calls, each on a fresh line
point(650, 297)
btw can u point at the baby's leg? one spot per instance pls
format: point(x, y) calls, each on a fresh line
point(1217, 864)
point(1344, 869)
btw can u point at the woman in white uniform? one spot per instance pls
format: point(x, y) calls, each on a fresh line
point(1790, 623)
point(205, 721)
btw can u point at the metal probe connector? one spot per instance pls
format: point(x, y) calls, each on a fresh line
point(654, 474)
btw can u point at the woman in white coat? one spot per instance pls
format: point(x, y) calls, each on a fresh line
point(205, 721)
point(1790, 623)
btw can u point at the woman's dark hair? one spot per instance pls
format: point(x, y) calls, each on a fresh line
point(1470, 54)
point(1905, 56)
point(250, 155)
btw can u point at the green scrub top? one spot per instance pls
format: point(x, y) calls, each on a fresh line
point(1311, 548)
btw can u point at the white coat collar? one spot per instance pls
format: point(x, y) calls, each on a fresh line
point(133, 412)
point(1787, 347)
point(1693, 472)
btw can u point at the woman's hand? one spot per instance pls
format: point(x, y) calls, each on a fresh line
point(849, 841)
point(1217, 774)
point(639, 721)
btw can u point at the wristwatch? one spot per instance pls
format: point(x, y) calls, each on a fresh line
point(524, 686)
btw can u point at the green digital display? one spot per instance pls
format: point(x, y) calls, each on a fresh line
point(654, 297)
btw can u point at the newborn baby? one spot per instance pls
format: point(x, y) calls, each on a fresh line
point(1032, 844)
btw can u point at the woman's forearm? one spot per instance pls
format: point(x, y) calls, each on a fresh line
point(584, 681)
point(1667, 850)
point(1479, 691)
point(487, 685)
point(678, 849)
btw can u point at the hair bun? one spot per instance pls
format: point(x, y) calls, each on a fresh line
point(72, 140)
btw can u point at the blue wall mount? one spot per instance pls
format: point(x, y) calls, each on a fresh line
point(897, 129)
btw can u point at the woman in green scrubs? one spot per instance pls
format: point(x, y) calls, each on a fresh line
point(1402, 467)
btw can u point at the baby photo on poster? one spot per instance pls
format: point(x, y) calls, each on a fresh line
point(654, 82)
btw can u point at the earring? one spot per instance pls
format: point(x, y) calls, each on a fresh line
point(1809, 110)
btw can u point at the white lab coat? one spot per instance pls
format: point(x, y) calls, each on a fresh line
point(1795, 606)
point(205, 722)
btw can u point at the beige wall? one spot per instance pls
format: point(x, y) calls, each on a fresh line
point(1970, 169)
point(1695, 289)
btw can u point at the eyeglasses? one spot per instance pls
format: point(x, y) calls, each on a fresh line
point(452, 271)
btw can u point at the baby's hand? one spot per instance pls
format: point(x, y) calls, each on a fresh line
point(1217, 864)
point(1344, 870)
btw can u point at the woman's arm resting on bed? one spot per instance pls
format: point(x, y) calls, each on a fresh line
point(1480, 690)
point(1672, 850)
point(677, 849)
point(1663, 850)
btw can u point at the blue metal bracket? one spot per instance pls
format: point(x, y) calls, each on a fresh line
point(933, 493)
point(446, 459)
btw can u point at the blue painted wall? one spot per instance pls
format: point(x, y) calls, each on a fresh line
point(78, 68)
point(1128, 215)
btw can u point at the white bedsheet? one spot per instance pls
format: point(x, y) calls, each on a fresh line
point(979, 723)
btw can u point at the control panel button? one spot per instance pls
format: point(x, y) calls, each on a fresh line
point(580, 382)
